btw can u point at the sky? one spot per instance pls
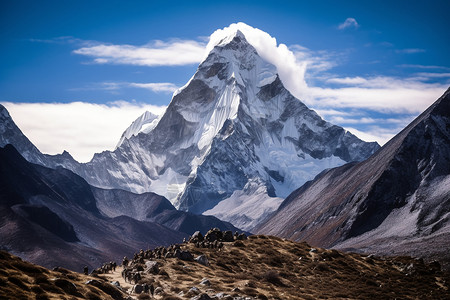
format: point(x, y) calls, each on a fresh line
point(75, 74)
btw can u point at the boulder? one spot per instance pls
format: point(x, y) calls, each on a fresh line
point(159, 290)
point(205, 281)
point(196, 237)
point(201, 297)
point(186, 255)
point(202, 259)
point(138, 288)
point(152, 267)
point(228, 236)
point(213, 235)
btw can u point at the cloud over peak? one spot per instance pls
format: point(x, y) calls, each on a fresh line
point(348, 23)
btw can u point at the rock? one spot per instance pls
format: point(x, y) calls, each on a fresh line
point(205, 281)
point(223, 296)
point(196, 237)
point(152, 267)
point(177, 253)
point(66, 286)
point(201, 297)
point(213, 235)
point(116, 283)
point(313, 250)
point(202, 259)
point(194, 290)
point(240, 237)
point(158, 290)
point(228, 236)
point(138, 289)
point(186, 255)
point(92, 282)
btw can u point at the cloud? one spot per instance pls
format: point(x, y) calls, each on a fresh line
point(78, 127)
point(156, 87)
point(375, 134)
point(158, 53)
point(410, 50)
point(423, 67)
point(433, 75)
point(291, 70)
point(348, 23)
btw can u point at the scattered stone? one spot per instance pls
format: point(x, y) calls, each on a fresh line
point(313, 250)
point(116, 283)
point(205, 281)
point(92, 282)
point(186, 255)
point(213, 235)
point(203, 260)
point(196, 237)
point(158, 290)
point(228, 236)
point(152, 267)
point(194, 290)
point(201, 297)
point(137, 289)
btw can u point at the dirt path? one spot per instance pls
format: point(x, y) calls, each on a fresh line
point(117, 276)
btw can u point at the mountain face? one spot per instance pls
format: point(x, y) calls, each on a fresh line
point(145, 123)
point(232, 139)
point(397, 201)
point(151, 207)
point(54, 217)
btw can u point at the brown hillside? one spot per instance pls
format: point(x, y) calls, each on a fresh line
point(261, 267)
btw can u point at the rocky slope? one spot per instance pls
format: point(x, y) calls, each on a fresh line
point(261, 267)
point(397, 201)
point(232, 139)
point(52, 217)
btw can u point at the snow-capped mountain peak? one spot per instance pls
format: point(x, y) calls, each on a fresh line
point(232, 132)
point(144, 123)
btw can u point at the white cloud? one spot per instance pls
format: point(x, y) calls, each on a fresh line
point(291, 70)
point(78, 127)
point(348, 23)
point(410, 50)
point(156, 87)
point(375, 134)
point(423, 67)
point(433, 75)
point(158, 53)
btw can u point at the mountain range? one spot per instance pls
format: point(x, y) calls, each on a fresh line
point(395, 202)
point(234, 145)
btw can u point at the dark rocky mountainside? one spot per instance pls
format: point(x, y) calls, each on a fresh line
point(51, 217)
point(397, 201)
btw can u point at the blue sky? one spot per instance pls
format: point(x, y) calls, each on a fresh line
point(372, 66)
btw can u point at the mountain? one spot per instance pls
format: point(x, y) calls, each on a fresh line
point(50, 216)
point(232, 139)
point(154, 208)
point(11, 134)
point(144, 123)
point(395, 202)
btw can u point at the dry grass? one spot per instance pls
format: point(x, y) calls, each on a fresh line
point(261, 268)
point(23, 280)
